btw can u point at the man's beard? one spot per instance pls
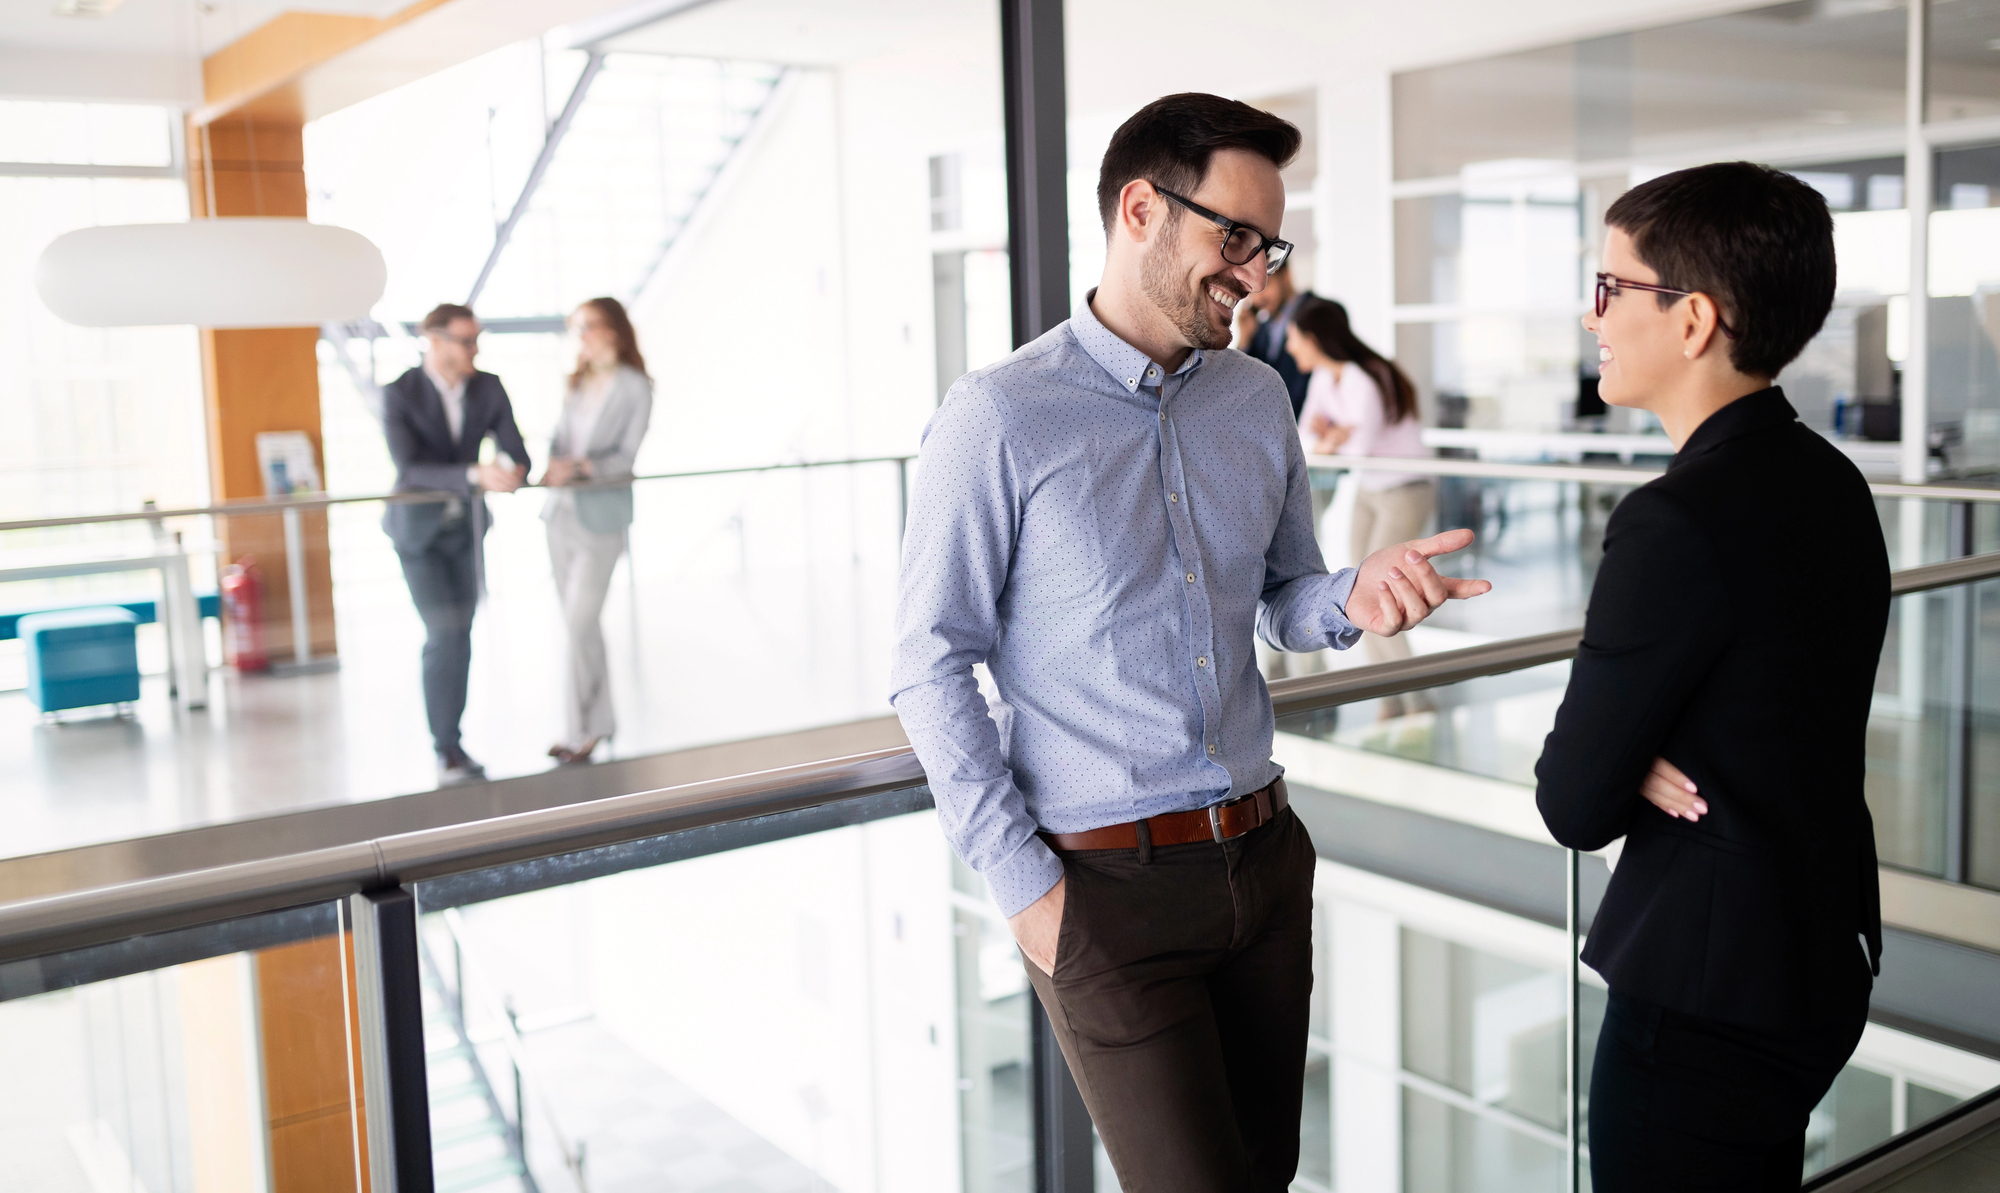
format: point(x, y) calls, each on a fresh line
point(1159, 279)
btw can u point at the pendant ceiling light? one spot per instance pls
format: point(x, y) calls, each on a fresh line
point(227, 272)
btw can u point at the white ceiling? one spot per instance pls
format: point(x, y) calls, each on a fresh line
point(142, 50)
point(803, 32)
point(147, 49)
point(157, 26)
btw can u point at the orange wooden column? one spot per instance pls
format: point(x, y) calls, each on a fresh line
point(265, 379)
point(310, 1037)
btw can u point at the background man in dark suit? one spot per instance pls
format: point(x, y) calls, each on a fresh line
point(1723, 735)
point(436, 417)
point(1261, 320)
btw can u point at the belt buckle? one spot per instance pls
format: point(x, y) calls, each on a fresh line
point(1215, 815)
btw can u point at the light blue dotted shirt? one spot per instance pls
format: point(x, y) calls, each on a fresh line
point(1103, 538)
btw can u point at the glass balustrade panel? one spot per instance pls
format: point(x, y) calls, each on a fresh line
point(234, 1071)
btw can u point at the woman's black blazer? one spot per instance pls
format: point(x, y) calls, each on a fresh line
point(1735, 628)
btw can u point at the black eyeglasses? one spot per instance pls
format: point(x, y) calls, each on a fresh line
point(1241, 243)
point(1608, 286)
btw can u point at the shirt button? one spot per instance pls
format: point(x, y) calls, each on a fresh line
point(1211, 748)
point(1202, 661)
point(1190, 577)
point(1163, 416)
point(1130, 381)
point(1173, 497)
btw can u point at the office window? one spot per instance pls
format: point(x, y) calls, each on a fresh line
point(1506, 165)
point(86, 134)
point(100, 419)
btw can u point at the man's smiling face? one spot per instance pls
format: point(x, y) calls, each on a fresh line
point(1184, 274)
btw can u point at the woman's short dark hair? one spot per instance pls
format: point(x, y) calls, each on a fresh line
point(1756, 240)
point(1326, 322)
point(1169, 143)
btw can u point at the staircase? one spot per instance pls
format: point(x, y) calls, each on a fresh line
point(474, 1145)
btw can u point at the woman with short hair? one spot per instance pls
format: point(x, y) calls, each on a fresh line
point(1717, 711)
point(589, 506)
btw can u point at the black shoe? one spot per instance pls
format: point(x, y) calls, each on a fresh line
point(455, 767)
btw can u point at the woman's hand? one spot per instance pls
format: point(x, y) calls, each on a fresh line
point(1672, 792)
point(1331, 439)
point(560, 472)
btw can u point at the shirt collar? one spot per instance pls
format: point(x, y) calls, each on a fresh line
point(1747, 415)
point(446, 391)
point(1128, 366)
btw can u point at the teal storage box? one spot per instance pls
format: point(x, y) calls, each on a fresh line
point(81, 657)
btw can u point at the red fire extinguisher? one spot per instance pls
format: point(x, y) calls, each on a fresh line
point(243, 616)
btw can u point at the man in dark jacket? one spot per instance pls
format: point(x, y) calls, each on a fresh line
point(1720, 736)
point(1261, 320)
point(436, 417)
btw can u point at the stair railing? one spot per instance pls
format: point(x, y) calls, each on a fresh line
point(527, 1089)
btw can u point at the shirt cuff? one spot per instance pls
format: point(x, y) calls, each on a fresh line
point(1023, 878)
point(1345, 632)
point(472, 478)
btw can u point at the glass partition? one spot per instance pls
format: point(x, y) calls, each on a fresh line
point(1403, 783)
point(727, 586)
point(233, 1070)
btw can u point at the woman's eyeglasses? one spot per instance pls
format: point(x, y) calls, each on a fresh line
point(1609, 285)
point(1241, 243)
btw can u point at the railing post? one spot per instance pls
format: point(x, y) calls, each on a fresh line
point(295, 579)
point(389, 1002)
point(1573, 1048)
point(1036, 106)
point(1065, 1156)
point(1961, 632)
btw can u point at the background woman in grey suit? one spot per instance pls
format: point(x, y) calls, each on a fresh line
point(604, 419)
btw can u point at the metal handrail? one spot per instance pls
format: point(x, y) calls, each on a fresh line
point(81, 918)
point(1604, 474)
point(308, 502)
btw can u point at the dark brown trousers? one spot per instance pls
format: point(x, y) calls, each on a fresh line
point(1180, 997)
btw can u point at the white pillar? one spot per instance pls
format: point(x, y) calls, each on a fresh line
point(1917, 188)
point(1352, 211)
point(1368, 1049)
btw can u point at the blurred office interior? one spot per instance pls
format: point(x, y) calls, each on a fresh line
point(247, 942)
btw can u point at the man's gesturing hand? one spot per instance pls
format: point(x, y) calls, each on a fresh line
point(1037, 925)
point(1398, 588)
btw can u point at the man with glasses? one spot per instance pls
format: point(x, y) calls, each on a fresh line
point(1101, 519)
point(436, 418)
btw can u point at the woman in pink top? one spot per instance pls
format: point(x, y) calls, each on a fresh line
point(1359, 404)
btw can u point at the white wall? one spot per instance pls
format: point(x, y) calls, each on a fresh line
point(799, 320)
point(805, 988)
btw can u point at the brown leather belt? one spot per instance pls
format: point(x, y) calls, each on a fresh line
point(1218, 822)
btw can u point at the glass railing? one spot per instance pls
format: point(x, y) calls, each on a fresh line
point(785, 978)
point(307, 662)
point(740, 577)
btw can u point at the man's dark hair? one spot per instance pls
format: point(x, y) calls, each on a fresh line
point(1756, 240)
point(1169, 143)
point(442, 314)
